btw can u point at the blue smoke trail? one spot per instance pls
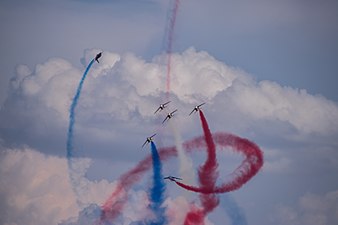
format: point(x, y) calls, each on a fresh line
point(157, 191)
point(72, 112)
point(75, 167)
point(235, 213)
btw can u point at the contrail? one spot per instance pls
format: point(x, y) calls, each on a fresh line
point(76, 166)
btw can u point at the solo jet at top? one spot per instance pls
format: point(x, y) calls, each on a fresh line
point(162, 106)
point(169, 115)
point(197, 108)
point(149, 139)
point(98, 56)
point(172, 178)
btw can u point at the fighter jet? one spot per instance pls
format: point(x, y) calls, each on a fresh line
point(172, 178)
point(98, 56)
point(197, 108)
point(169, 115)
point(162, 106)
point(149, 139)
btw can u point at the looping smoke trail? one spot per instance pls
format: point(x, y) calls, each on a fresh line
point(75, 166)
point(249, 167)
point(158, 189)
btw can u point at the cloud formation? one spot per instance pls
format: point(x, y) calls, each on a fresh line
point(311, 209)
point(116, 112)
point(35, 188)
point(126, 88)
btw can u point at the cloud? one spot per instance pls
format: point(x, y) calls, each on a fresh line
point(126, 88)
point(35, 189)
point(312, 209)
point(275, 161)
point(268, 100)
point(116, 112)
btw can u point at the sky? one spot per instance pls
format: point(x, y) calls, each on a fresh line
point(266, 70)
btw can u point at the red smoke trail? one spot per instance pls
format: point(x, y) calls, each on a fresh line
point(207, 175)
point(249, 167)
point(169, 49)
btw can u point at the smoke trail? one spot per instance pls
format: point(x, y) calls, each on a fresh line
point(113, 206)
point(236, 214)
point(158, 189)
point(76, 166)
point(249, 167)
point(172, 22)
point(207, 175)
point(186, 165)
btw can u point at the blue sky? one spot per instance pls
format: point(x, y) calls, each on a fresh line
point(267, 70)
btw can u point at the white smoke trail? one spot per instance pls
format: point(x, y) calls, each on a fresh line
point(185, 163)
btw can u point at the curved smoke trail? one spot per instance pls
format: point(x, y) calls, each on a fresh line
point(76, 167)
point(249, 167)
point(207, 175)
point(157, 191)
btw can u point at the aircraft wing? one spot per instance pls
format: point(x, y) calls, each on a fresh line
point(174, 111)
point(144, 144)
point(166, 102)
point(157, 110)
point(165, 119)
point(192, 111)
point(201, 104)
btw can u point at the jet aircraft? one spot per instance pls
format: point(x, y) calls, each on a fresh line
point(149, 139)
point(162, 106)
point(169, 115)
point(172, 178)
point(98, 56)
point(197, 108)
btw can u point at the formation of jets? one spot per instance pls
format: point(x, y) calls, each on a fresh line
point(168, 117)
point(159, 109)
point(172, 178)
